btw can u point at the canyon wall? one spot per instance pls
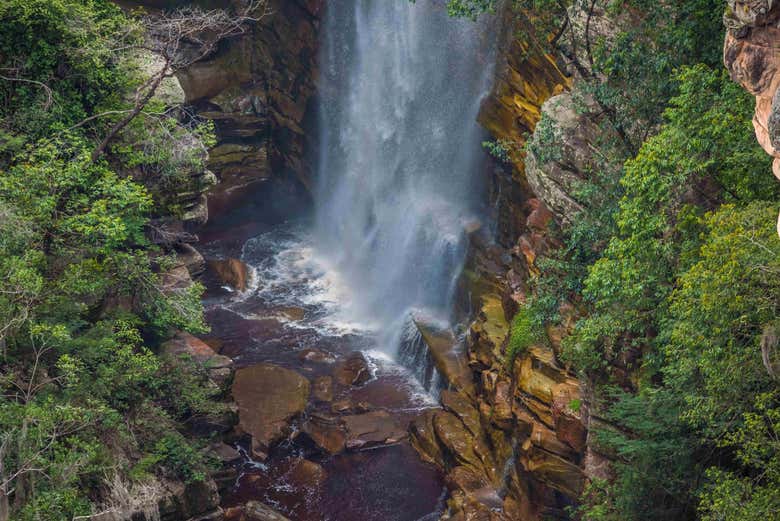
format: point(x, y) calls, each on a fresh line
point(515, 446)
point(257, 89)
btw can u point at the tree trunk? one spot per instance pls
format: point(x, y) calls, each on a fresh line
point(5, 511)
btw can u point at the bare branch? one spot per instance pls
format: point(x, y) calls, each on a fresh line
point(182, 38)
point(49, 94)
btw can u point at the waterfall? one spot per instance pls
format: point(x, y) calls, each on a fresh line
point(413, 353)
point(399, 172)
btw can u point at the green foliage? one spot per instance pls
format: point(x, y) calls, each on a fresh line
point(705, 153)
point(470, 8)
point(525, 331)
point(674, 258)
point(499, 149)
point(84, 299)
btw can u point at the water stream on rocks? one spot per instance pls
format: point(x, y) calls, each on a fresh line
point(398, 183)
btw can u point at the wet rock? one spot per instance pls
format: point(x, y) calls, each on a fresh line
point(268, 398)
point(256, 511)
point(524, 80)
point(326, 432)
point(317, 356)
point(231, 272)
point(292, 313)
point(502, 400)
point(456, 440)
point(371, 429)
point(451, 362)
point(307, 474)
point(422, 435)
point(322, 389)
point(347, 406)
point(458, 404)
point(353, 370)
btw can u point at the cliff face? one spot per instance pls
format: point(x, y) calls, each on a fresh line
point(515, 446)
point(257, 88)
point(752, 55)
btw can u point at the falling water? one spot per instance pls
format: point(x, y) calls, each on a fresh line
point(399, 172)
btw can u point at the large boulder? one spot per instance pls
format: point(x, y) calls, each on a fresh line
point(269, 397)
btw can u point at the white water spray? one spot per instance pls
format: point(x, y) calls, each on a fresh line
point(399, 171)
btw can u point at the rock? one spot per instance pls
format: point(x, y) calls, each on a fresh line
point(317, 356)
point(256, 89)
point(575, 121)
point(198, 499)
point(219, 367)
point(170, 91)
point(268, 398)
point(540, 217)
point(347, 406)
point(539, 375)
point(225, 453)
point(353, 370)
point(307, 474)
point(322, 389)
point(569, 427)
point(451, 362)
point(456, 440)
point(524, 81)
point(191, 258)
point(326, 432)
point(457, 404)
point(292, 313)
point(232, 272)
point(256, 511)
point(422, 436)
point(558, 473)
point(371, 429)
point(176, 280)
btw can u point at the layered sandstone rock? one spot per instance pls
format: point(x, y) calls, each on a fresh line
point(257, 89)
point(515, 447)
point(752, 55)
